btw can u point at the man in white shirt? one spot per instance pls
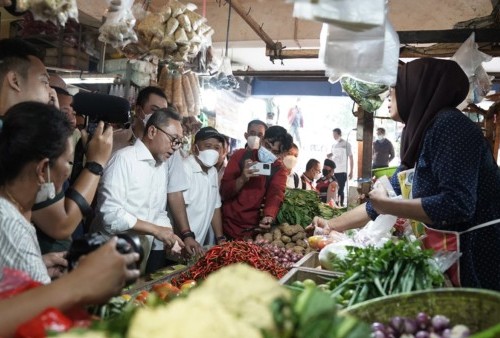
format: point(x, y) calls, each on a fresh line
point(341, 151)
point(133, 191)
point(202, 197)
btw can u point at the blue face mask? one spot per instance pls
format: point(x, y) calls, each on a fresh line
point(266, 156)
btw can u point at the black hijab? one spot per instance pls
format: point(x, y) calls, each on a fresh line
point(425, 87)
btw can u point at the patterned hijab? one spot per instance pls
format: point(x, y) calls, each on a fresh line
point(424, 87)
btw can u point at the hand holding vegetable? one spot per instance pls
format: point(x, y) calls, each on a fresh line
point(192, 247)
point(167, 236)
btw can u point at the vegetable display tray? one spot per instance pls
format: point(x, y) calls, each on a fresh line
point(479, 309)
point(310, 262)
point(298, 274)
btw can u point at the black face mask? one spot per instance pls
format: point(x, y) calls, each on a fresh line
point(326, 172)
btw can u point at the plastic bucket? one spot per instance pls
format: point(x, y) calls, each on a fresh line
point(388, 171)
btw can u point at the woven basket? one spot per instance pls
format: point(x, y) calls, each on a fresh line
point(477, 308)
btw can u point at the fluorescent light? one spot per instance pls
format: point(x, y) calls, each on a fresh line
point(88, 79)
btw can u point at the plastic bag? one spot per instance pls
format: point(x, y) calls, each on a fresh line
point(118, 29)
point(14, 282)
point(445, 259)
point(371, 56)
point(360, 14)
point(367, 95)
point(57, 11)
point(471, 61)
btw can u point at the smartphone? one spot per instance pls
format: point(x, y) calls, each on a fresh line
point(264, 168)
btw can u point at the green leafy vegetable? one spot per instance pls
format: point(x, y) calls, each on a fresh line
point(301, 206)
point(395, 268)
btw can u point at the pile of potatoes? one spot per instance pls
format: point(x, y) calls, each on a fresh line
point(287, 236)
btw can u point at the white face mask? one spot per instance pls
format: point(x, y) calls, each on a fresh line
point(317, 176)
point(290, 161)
point(253, 142)
point(208, 157)
point(47, 190)
point(380, 137)
point(146, 118)
point(266, 156)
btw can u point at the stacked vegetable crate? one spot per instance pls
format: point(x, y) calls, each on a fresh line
point(308, 268)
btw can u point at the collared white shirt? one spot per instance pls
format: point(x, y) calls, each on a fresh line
point(133, 187)
point(201, 198)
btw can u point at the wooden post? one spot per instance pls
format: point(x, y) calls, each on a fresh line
point(364, 136)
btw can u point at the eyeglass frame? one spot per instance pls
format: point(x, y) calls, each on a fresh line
point(175, 142)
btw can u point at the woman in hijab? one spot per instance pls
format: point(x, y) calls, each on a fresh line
point(456, 182)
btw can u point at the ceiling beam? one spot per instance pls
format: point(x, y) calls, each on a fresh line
point(449, 36)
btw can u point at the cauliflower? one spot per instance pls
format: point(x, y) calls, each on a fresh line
point(188, 318)
point(232, 302)
point(82, 334)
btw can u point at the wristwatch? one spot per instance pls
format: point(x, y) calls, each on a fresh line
point(95, 168)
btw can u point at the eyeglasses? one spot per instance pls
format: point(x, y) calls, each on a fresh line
point(174, 141)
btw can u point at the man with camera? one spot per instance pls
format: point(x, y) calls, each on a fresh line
point(133, 192)
point(23, 77)
point(254, 178)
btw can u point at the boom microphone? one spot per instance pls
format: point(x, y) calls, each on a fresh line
point(102, 107)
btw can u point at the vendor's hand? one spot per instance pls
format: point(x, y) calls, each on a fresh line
point(248, 173)
point(56, 263)
point(103, 273)
point(317, 222)
point(193, 248)
point(100, 145)
point(350, 175)
point(377, 196)
point(265, 222)
point(167, 236)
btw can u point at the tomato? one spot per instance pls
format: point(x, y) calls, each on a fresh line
point(309, 283)
point(188, 285)
point(142, 296)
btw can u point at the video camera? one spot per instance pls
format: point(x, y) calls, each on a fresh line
point(127, 243)
point(101, 107)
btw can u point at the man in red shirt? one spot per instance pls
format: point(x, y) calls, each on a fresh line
point(244, 191)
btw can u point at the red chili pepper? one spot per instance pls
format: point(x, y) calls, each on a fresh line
point(230, 253)
point(50, 320)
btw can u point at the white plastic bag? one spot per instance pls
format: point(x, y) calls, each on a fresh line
point(118, 29)
point(370, 56)
point(471, 59)
point(57, 12)
point(360, 14)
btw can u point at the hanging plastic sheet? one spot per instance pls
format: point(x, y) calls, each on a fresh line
point(370, 55)
point(471, 61)
point(359, 14)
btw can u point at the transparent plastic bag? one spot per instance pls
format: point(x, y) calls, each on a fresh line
point(118, 29)
point(445, 259)
point(56, 11)
point(471, 61)
point(369, 56)
point(367, 95)
point(360, 14)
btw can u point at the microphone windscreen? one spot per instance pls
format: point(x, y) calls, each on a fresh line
point(103, 107)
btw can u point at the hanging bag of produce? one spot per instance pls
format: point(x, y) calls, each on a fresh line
point(118, 29)
point(57, 11)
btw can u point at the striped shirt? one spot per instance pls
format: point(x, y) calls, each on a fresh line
point(19, 247)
